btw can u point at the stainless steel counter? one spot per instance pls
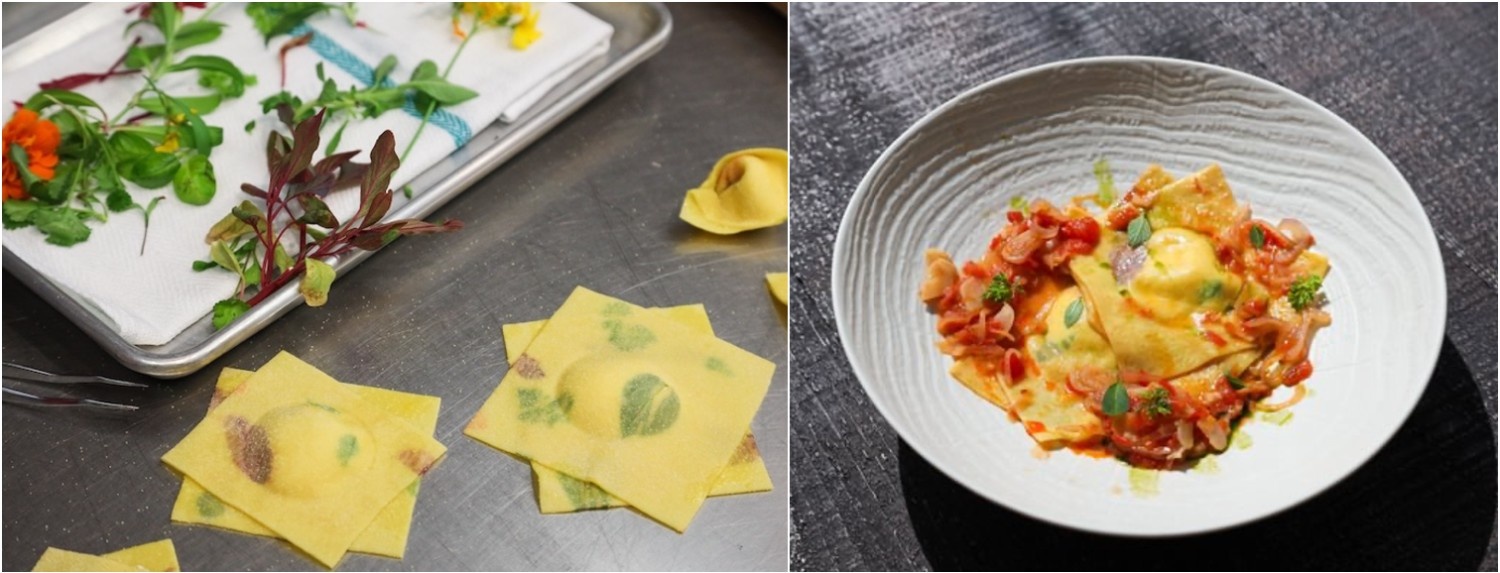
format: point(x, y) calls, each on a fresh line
point(592, 203)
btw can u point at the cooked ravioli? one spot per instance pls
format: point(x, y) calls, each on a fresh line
point(385, 536)
point(638, 404)
point(1173, 329)
point(305, 456)
point(1042, 400)
point(560, 493)
point(154, 556)
point(1150, 321)
point(1200, 202)
point(987, 386)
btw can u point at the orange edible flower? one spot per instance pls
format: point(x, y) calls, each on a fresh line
point(39, 138)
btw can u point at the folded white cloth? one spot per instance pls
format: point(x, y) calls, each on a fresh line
point(151, 298)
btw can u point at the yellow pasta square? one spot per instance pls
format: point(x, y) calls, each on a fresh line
point(560, 493)
point(386, 536)
point(154, 556)
point(54, 559)
point(642, 406)
point(305, 456)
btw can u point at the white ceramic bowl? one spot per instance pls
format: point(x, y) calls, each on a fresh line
point(948, 180)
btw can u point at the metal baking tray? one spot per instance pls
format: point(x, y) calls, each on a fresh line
point(641, 30)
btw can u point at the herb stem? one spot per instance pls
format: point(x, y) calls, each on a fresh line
point(432, 105)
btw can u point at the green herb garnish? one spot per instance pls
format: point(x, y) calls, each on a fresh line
point(1138, 231)
point(1257, 237)
point(1234, 381)
point(1000, 289)
point(1304, 291)
point(1116, 400)
point(1074, 312)
point(1156, 402)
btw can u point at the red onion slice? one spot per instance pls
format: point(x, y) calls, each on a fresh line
point(1126, 262)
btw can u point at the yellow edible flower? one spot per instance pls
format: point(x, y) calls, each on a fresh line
point(525, 32)
point(168, 143)
point(520, 17)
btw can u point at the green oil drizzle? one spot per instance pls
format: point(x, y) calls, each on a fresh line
point(1143, 482)
point(1207, 465)
point(1241, 441)
point(1279, 418)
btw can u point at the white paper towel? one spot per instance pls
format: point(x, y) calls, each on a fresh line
point(153, 297)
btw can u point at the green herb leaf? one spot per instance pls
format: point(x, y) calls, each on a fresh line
point(1000, 289)
point(232, 227)
point(1234, 381)
point(166, 16)
point(194, 183)
point(249, 127)
point(1106, 181)
point(63, 226)
point(224, 256)
point(203, 104)
point(252, 271)
point(647, 406)
point(383, 70)
point(200, 266)
point(276, 18)
point(1139, 231)
point(141, 57)
point(1257, 237)
point(225, 311)
point(1116, 400)
point(118, 200)
point(283, 260)
point(1074, 312)
point(333, 142)
point(128, 146)
point(445, 93)
point(426, 70)
point(1304, 291)
point(17, 213)
point(47, 98)
point(225, 84)
point(153, 171)
point(196, 33)
point(316, 281)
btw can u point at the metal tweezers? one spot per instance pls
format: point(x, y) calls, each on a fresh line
point(30, 374)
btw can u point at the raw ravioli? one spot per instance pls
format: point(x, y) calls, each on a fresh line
point(385, 536)
point(559, 493)
point(305, 456)
point(746, 190)
point(637, 403)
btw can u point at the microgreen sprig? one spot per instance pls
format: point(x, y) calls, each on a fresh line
point(250, 240)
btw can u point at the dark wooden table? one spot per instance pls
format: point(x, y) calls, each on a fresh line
point(593, 202)
point(1418, 80)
